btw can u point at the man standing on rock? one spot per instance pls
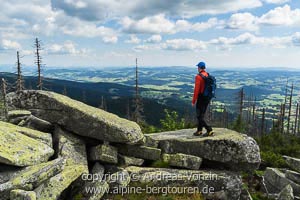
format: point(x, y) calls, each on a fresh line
point(201, 101)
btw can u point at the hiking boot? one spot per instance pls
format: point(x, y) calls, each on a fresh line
point(198, 133)
point(210, 133)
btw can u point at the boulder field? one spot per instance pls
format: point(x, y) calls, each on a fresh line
point(53, 147)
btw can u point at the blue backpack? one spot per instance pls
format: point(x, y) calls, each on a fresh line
point(210, 86)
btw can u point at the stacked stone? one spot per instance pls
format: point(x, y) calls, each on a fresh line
point(53, 143)
point(284, 184)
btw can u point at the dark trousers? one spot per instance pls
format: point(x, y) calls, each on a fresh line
point(201, 107)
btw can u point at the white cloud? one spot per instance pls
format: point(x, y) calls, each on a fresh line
point(184, 25)
point(250, 39)
point(19, 18)
point(133, 40)
point(276, 1)
point(76, 3)
point(154, 39)
point(281, 16)
point(183, 45)
point(110, 39)
point(26, 52)
point(9, 45)
point(159, 24)
point(79, 28)
point(68, 47)
point(149, 25)
point(296, 39)
point(41, 20)
point(225, 43)
point(101, 10)
point(245, 21)
point(141, 48)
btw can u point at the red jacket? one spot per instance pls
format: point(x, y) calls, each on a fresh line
point(199, 86)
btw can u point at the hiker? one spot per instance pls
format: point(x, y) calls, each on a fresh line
point(201, 101)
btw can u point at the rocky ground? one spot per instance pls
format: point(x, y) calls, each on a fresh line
point(53, 147)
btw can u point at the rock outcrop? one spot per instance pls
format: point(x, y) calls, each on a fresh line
point(286, 193)
point(182, 160)
point(276, 181)
point(90, 121)
point(235, 150)
point(58, 148)
point(283, 183)
point(70, 147)
point(32, 176)
point(293, 163)
point(53, 187)
point(19, 148)
point(212, 184)
point(22, 194)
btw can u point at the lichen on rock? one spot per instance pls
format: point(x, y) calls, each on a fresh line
point(22, 146)
point(76, 116)
point(230, 148)
point(32, 176)
point(53, 187)
point(70, 147)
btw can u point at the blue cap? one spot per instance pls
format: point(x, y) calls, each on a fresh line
point(201, 65)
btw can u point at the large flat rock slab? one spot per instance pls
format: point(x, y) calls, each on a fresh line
point(143, 152)
point(222, 185)
point(76, 117)
point(236, 151)
point(293, 163)
point(276, 181)
point(31, 177)
point(18, 149)
point(53, 187)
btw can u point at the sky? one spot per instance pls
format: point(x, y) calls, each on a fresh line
point(104, 33)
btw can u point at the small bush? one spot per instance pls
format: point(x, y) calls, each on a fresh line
point(274, 145)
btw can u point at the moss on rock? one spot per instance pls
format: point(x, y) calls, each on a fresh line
point(32, 176)
point(18, 149)
point(22, 195)
point(53, 187)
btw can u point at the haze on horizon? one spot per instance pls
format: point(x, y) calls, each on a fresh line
point(101, 33)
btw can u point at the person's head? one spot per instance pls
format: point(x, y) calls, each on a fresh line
point(201, 66)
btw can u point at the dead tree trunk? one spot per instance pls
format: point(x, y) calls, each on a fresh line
point(253, 110)
point(280, 118)
point(38, 62)
point(20, 85)
point(284, 107)
point(65, 92)
point(298, 129)
point(103, 103)
point(290, 109)
point(4, 88)
point(137, 114)
point(296, 119)
point(224, 117)
point(241, 103)
point(263, 121)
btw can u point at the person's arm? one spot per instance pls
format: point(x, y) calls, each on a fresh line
point(196, 89)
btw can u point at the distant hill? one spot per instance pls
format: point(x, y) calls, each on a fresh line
point(170, 87)
point(118, 97)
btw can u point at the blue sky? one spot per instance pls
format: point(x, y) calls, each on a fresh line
point(102, 33)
